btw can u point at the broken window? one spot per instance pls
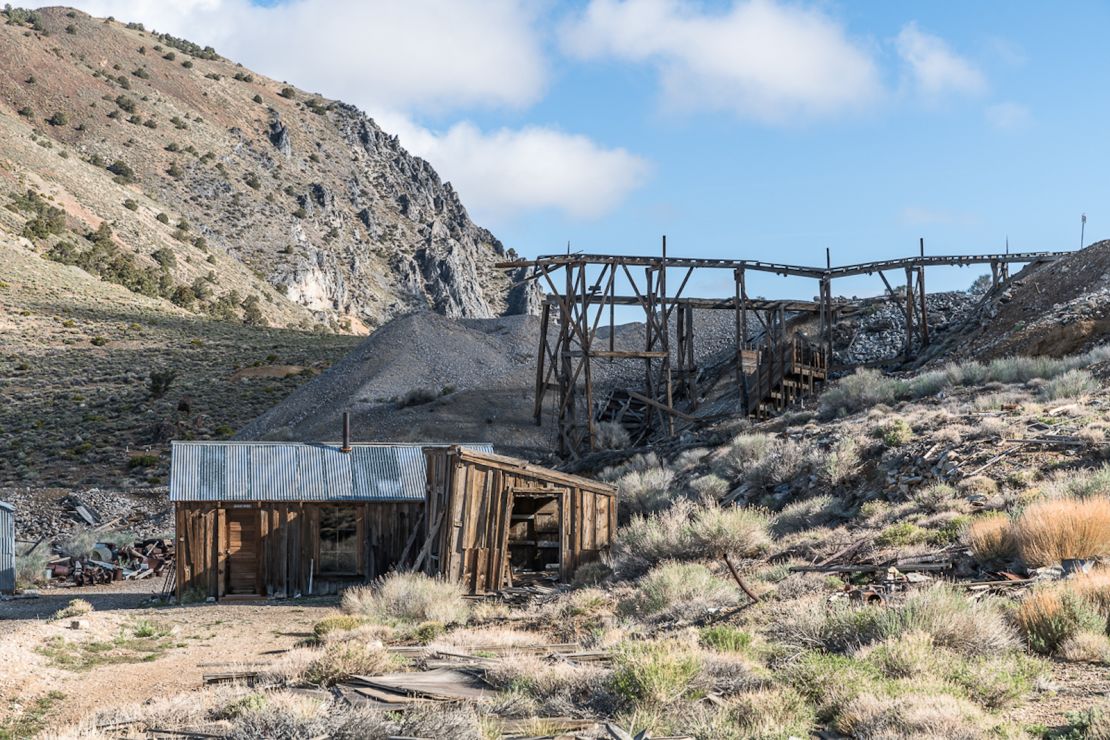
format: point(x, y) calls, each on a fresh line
point(339, 540)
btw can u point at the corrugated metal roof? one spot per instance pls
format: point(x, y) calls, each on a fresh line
point(294, 471)
point(4, 505)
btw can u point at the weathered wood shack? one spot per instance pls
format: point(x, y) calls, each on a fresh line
point(7, 548)
point(281, 519)
point(494, 520)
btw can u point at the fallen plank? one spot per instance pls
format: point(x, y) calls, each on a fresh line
point(442, 683)
point(229, 676)
point(867, 568)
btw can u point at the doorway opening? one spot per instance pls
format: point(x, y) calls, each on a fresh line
point(536, 534)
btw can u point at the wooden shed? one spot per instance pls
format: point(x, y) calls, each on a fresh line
point(493, 521)
point(284, 519)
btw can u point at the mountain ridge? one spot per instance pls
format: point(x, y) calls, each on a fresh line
point(324, 209)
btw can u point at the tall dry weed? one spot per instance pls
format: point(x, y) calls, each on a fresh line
point(1050, 531)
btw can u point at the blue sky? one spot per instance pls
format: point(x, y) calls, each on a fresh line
point(760, 130)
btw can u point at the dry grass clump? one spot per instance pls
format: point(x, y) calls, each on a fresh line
point(1086, 646)
point(894, 432)
point(839, 464)
point(744, 453)
point(978, 485)
point(710, 486)
point(954, 621)
point(653, 673)
point(674, 590)
point(875, 716)
point(1080, 483)
point(867, 387)
point(938, 498)
point(948, 617)
point(235, 711)
point(337, 623)
point(408, 597)
point(341, 660)
point(993, 426)
point(1048, 532)
point(470, 638)
point(610, 435)
point(645, 491)
point(990, 538)
point(75, 608)
point(555, 686)
point(688, 531)
point(862, 389)
point(739, 531)
point(908, 655)
point(1094, 586)
point(1072, 384)
point(818, 511)
point(1050, 615)
point(771, 712)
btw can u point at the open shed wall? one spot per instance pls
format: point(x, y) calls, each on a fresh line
point(288, 545)
point(7, 549)
point(470, 500)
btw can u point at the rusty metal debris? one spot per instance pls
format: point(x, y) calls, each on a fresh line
point(107, 562)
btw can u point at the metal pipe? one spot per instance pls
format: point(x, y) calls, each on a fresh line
point(346, 432)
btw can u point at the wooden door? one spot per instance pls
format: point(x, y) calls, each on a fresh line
point(243, 539)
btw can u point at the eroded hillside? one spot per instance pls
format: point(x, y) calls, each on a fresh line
point(301, 201)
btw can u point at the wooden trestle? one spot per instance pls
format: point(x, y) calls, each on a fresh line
point(772, 369)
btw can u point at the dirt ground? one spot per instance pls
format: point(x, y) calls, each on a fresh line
point(205, 638)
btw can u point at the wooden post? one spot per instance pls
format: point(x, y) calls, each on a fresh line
point(541, 380)
point(665, 370)
point(909, 312)
point(741, 312)
point(994, 274)
point(924, 317)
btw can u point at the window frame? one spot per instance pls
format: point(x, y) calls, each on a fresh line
point(356, 513)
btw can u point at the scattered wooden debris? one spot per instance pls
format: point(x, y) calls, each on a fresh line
point(441, 684)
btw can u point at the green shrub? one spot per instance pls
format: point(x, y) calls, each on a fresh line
point(894, 432)
point(159, 382)
point(653, 673)
point(58, 119)
point(341, 660)
point(408, 597)
point(337, 623)
point(1072, 384)
point(142, 461)
point(417, 397)
point(678, 590)
point(725, 638)
point(122, 170)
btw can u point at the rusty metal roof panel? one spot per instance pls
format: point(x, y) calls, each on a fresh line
point(288, 471)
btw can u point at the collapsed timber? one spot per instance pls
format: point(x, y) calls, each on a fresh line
point(773, 366)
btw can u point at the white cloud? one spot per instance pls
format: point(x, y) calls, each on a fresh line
point(758, 59)
point(1008, 116)
point(934, 67)
point(397, 58)
point(533, 168)
point(399, 54)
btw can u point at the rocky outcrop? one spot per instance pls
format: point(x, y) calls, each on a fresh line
point(880, 333)
point(309, 194)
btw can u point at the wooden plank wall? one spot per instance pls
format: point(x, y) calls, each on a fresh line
point(289, 547)
point(474, 501)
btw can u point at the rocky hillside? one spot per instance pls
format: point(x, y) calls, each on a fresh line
point(225, 191)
